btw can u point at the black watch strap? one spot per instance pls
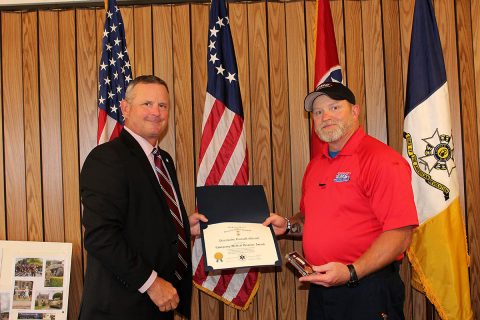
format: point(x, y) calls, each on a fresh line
point(353, 282)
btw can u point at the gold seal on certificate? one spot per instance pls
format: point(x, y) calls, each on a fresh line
point(234, 236)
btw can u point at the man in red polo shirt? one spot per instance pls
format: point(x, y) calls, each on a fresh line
point(356, 215)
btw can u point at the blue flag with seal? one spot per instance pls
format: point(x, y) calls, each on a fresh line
point(438, 252)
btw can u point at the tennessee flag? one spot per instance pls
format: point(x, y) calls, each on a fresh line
point(438, 252)
point(327, 67)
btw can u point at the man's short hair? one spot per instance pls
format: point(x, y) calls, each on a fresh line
point(145, 79)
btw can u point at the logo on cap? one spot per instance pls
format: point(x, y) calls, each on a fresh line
point(324, 85)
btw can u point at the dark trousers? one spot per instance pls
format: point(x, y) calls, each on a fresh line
point(380, 296)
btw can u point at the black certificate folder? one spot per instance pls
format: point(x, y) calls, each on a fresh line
point(234, 204)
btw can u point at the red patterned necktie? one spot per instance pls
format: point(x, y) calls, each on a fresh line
point(167, 187)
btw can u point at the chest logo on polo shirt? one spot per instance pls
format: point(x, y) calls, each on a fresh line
point(342, 177)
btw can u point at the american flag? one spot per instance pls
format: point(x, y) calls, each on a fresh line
point(114, 74)
point(327, 67)
point(223, 158)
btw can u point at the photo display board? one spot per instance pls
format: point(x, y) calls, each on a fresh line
point(34, 280)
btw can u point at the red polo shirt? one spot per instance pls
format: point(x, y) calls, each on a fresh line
point(348, 201)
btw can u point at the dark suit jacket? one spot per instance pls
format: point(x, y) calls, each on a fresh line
point(129, 232)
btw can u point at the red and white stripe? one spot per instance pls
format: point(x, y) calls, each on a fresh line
point(108, 128)
point(223, 161)
point(223, 156)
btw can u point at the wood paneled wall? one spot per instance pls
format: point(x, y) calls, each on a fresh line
point(49, 62)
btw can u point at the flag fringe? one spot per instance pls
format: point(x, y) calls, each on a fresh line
point(420, 281)
point(425, 284)
point(229, 303)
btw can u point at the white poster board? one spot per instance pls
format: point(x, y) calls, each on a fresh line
point(34, 280)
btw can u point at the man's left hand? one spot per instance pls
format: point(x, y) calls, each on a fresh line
point(328, 275)
point(278, 223)
point(194, 220)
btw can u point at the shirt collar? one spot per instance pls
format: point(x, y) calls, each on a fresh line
point(146, 146)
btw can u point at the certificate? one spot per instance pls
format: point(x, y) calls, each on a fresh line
point(234, 236)
point(239, 244)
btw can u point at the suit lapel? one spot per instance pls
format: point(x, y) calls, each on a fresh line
point(137, 152)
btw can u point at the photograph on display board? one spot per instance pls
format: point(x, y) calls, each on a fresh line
point(4, 305)
point(49, 299)
point(54, 273)
point(22, 294)
point(37, 316)
point(28, 267)
point(30, 316)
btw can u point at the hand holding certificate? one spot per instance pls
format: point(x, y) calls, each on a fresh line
point(234, 236)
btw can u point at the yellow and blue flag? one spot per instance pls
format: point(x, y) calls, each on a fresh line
point(438, 252)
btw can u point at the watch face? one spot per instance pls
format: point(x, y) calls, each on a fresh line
point(295, 228)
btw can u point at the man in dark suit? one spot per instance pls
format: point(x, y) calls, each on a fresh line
point(136, 268)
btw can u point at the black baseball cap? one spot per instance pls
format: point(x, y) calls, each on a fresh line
point(334, 90)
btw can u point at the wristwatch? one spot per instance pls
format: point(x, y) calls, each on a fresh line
point(353, 282)
point(289, 226)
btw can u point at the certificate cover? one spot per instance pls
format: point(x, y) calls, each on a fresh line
point(234, 236)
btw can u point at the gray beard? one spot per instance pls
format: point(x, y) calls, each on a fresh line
point(335, 134)
point(331, 135)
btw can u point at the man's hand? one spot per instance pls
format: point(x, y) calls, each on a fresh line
point(278, 223)
point(329, 275)
point(164, 295)
point(194, 220)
